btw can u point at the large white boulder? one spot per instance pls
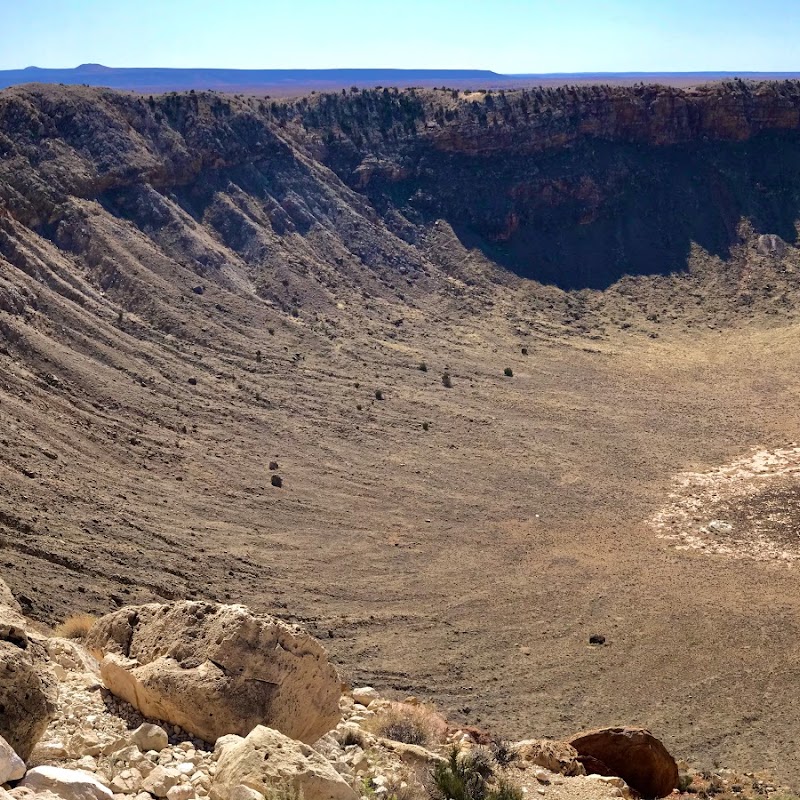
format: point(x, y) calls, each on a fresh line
point(216, 669)
point(69, 784)
point(266, 759)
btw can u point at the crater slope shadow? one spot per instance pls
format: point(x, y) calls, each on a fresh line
point(584, 216)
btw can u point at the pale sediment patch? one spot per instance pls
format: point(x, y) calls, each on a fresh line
point(749, 508)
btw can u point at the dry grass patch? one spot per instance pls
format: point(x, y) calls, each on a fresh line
point(410, 724)
point(76, 626)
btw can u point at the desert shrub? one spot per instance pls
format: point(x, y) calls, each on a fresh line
point(425, 426)
point(353, 736)
point(503, 752)
point(508, 372)
point(423, 367)
point(466, 777)
point(76, 626)
point(447, 381)
point(405, 723)
point(505, 790)
point(684, 781)
point(378, 394)
point(276, 481)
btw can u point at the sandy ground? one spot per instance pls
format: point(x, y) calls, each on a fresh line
point(468, 563)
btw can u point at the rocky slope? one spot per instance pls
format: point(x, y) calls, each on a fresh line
point(199, 293)
point(96, 745)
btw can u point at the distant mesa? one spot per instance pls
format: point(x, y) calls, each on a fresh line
point(155, 80)
point(94, 68)
point(277, 81)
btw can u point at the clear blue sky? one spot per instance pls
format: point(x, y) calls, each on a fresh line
point(503, 35)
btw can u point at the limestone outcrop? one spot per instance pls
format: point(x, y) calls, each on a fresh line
point(266, 758)
point(558, 757)
point(217, 669)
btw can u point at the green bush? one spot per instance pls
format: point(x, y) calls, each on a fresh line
point(467, 778)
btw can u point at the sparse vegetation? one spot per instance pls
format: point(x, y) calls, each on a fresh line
point(467, 777)
point(425, 426)
point(423, 367)
point(503, 752)
point(405, 723)
point(508, 372)
point(75, 627)
point(378, 394)
point(353, 736)
point(447, 381)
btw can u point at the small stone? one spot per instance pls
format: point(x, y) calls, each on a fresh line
point(12, 767)
point(160, 781)
point(52, 750)
point(127, 754)
point(182, 792)
point(129, 781)
point(150, 737)
point(542, 776)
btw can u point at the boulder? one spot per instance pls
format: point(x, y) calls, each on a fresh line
point(266, 759)
point(28, 689)
point(365, 695)
point(554, 756)
point(633, 754)
point(68, 784)
point(771, 245)
point(161, 780)
point(150, 737)
point(12, 767)
point(216, 669)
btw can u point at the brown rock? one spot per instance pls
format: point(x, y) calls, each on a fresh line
point(217, 669)
point(633, 754)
